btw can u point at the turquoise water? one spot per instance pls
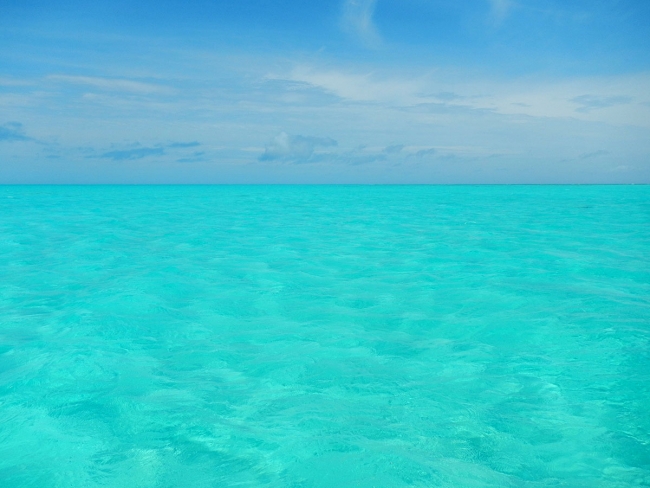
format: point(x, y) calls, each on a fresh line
point(341, 336)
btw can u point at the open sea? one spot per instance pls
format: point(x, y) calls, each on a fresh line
point(324, 336)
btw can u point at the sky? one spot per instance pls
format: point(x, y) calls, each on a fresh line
point(330, 91)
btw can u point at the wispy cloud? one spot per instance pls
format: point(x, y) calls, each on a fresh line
point(499, 10)
point(296, 148)
point(111, 84)
point(131, 154)
point(138, 152)
point(14, 82)
point(195, 157)
point(357, 20)
point(360, 87)
point(425, 153)
point(182, 145)
point(300, 149)
point(619, 99)
point(591, 102)
point(594, 154)
point(13, 131)
point(394, 149)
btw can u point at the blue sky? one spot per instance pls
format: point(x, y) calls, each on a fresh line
point(337, 91)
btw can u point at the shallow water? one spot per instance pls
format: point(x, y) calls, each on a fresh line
point(329, 336)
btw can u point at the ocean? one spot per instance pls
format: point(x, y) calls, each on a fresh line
point(324, 336)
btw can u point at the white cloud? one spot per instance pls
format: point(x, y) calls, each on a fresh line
point(111, 84)
point(14, 82)
point(357, 19)
point(499, 10)
point(361, 87)
point(286, 147)
point(616, 100)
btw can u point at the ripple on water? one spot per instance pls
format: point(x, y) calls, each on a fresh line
point(324, 336)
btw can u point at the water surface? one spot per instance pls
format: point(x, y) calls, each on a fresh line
point(331, 336)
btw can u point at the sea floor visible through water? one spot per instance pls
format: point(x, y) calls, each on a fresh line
point(324, 336)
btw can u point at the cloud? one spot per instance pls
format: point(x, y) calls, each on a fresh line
point(14, 82)
point(423, 153)
point(355, 158)
point(357, 19)
point(111, 84)
point(499, 10)
point(285, 147)
point(13, 131)
point(131, 154)
point(591, 102)
point(448, 96)
point(594, 154)
point(612, 99)
point(394, 149)
point(182, 145)
point(362, 87)
point(137, 152)
point(196, 157)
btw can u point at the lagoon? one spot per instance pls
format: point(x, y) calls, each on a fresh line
point(324, 336)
